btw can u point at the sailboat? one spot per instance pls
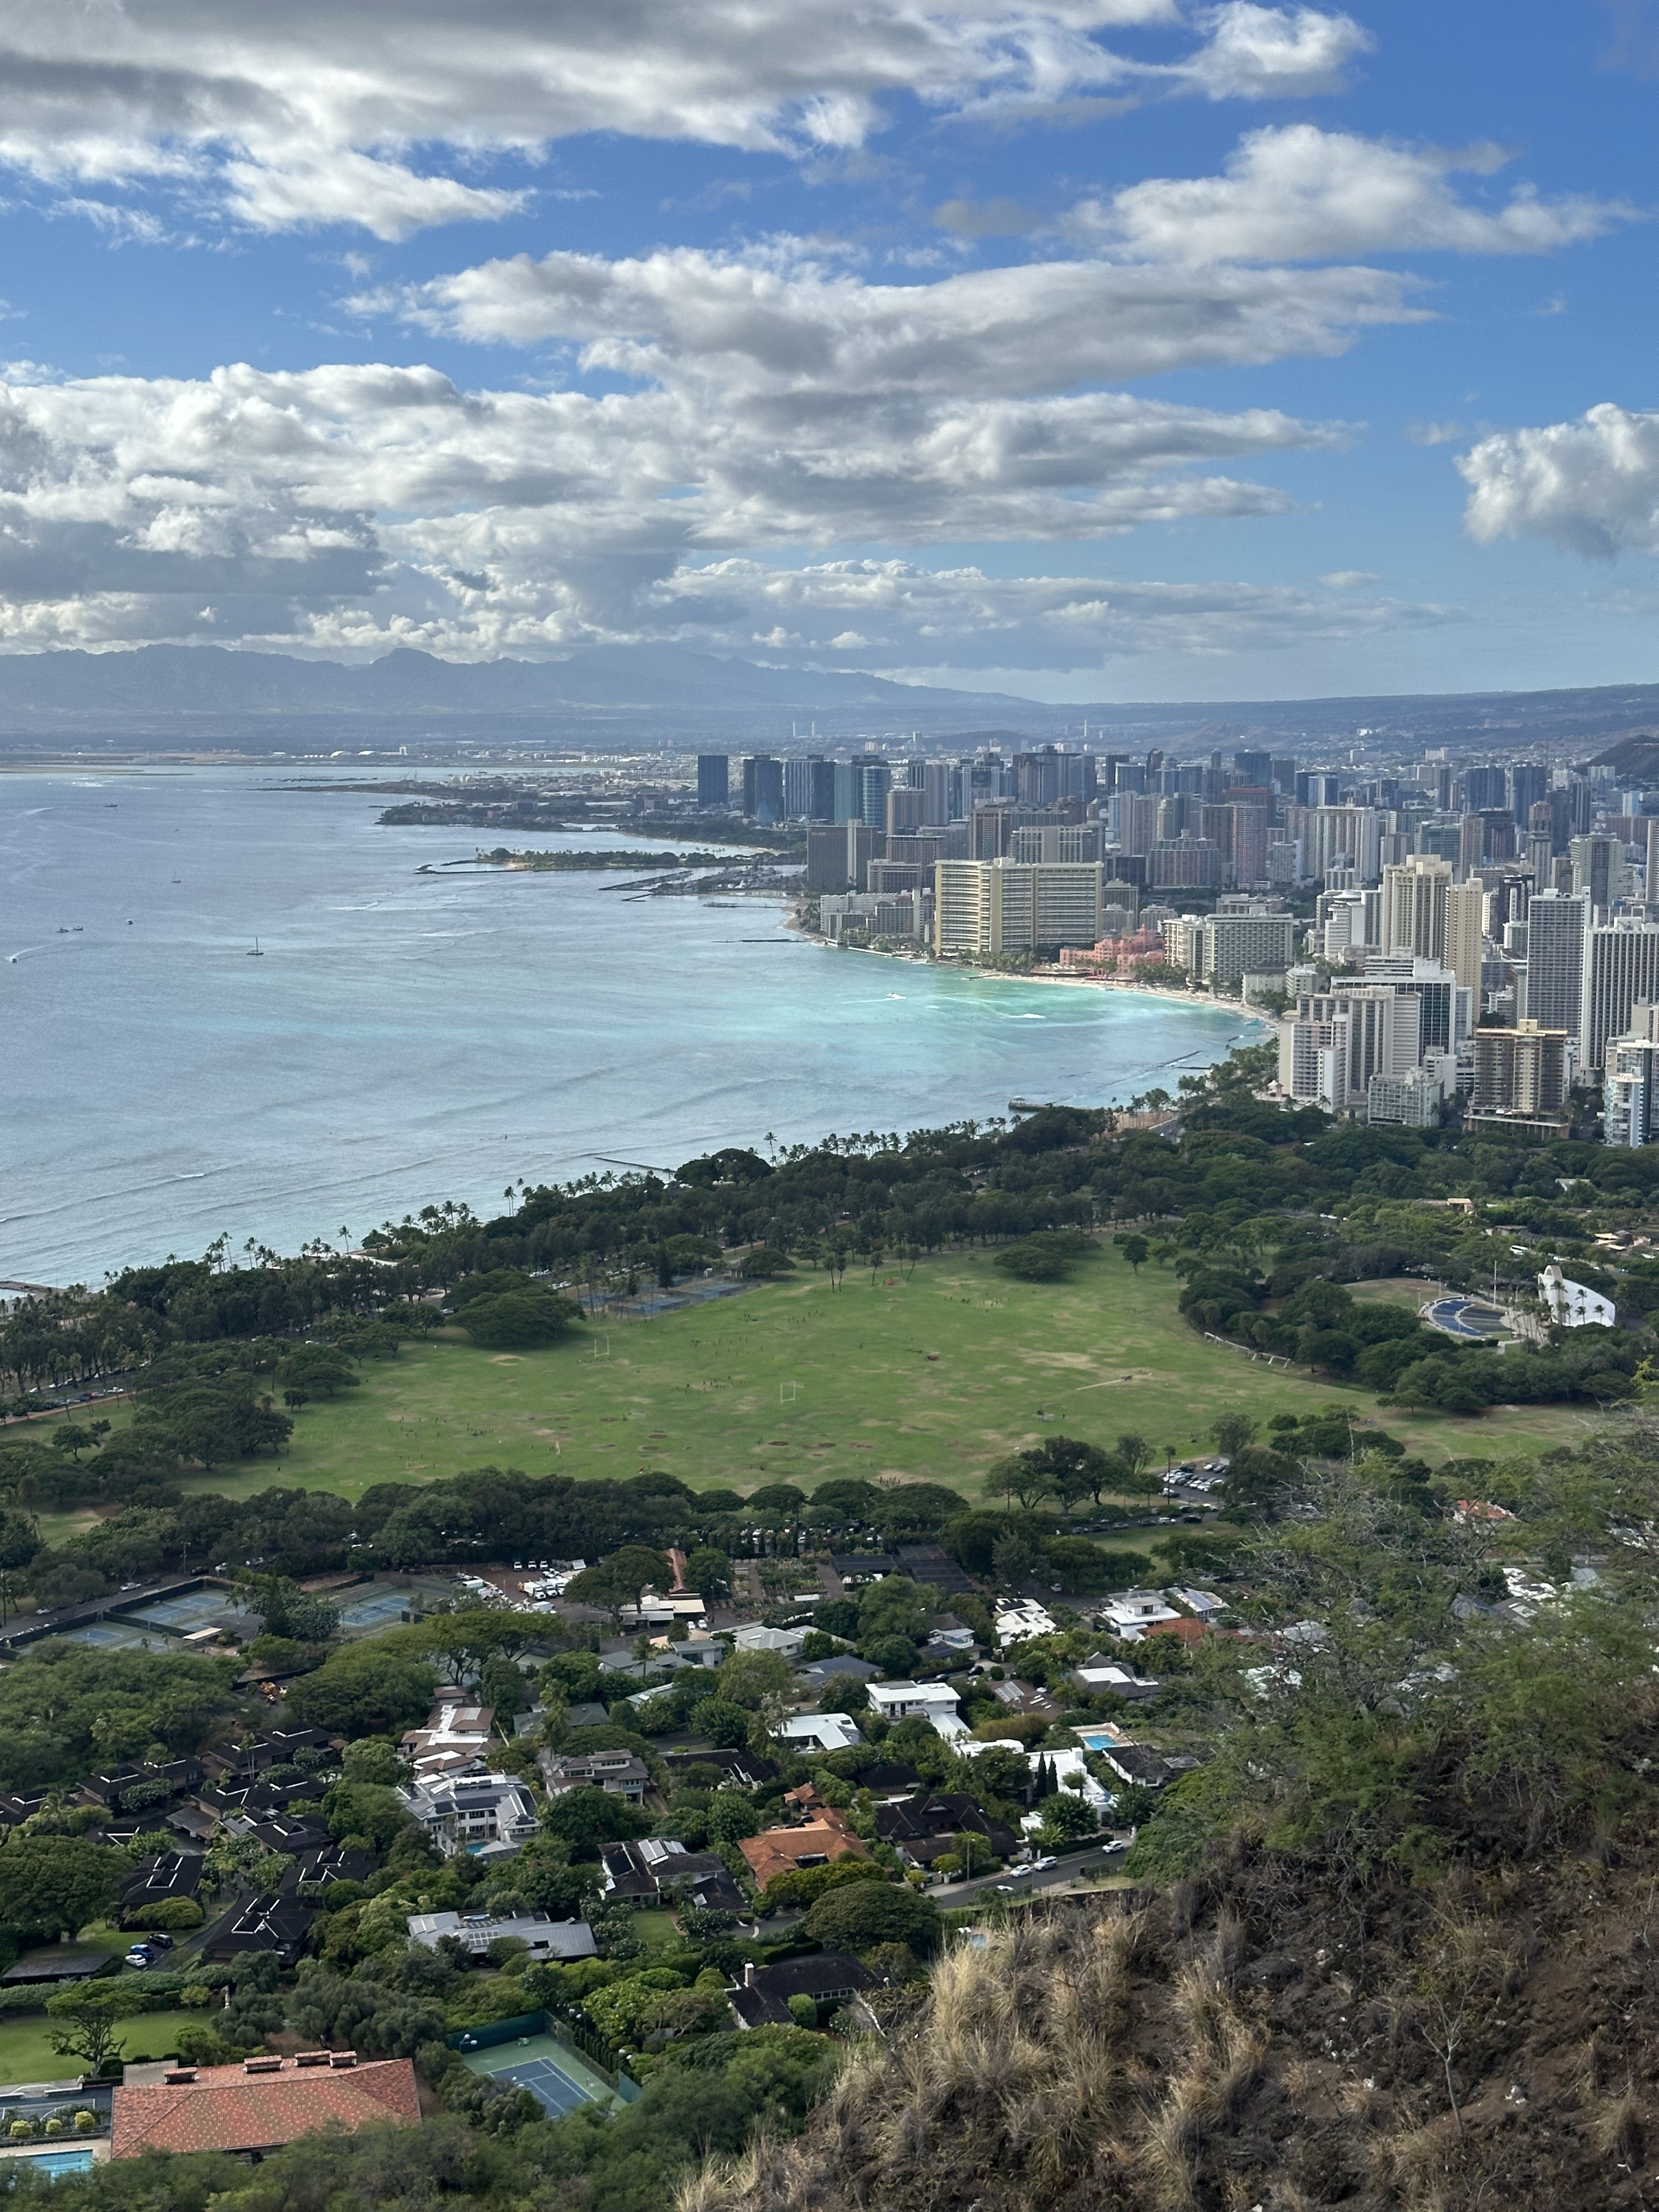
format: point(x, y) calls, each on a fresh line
point(256, 954)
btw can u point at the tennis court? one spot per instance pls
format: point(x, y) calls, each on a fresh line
point(556, 2077)
point(380, 1608)
point(194, 1609)
point(120, 1636)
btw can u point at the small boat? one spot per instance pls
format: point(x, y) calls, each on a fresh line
point(256, 954)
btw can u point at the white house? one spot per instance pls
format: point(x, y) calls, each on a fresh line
point(552, 1940)
point(1130, 1614)
point(786, 1642)
point(820, 1732)
point(1015, 1623)
point(934, 1702)
point(456, 1735)
point(488, 1816)
point(1205, 1603)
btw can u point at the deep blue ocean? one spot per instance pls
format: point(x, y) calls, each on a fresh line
point(408, 1037)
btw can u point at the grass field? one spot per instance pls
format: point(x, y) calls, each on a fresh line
point(26, 2055)
point(934, 1374)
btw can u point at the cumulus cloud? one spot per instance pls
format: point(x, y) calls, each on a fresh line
point(1298, 193)
point(1591, 486)
point(309, 113)
point(1274, 53)
point(531, 518)
point(781, 322)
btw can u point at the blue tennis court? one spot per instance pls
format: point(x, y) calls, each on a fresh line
point(117, 1636)
point(557, 2077)
point(194, 1609)
point(379, 1608)
point(552, 2087)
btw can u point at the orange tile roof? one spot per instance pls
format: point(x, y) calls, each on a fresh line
point(828, 1836)
point(226, 2109)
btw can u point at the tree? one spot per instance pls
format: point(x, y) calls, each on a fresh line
point(708, 1571)
point(466, 1641)
point(91, 2016)
point(53, 1884)
point(732, 1816)
point(1067, 1818)
point(584, 1818)
point(364, 1689)
point(1076, 1469)
point(749, 1678)
point(1023, 1475)
point(366, 1809)
point(1135, 1249)
point(861, 1913)
point(1134, 1452)
point(20, 1542)
point(621, 1580)
point(518, 1320)
point(724, 1723)
point(371, 1758)
point(1014, 1555)
point(1233, 1433)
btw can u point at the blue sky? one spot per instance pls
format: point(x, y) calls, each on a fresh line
point(1087, 349)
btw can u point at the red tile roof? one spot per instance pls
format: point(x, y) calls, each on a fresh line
point(826, 1836)
point(226, 2109)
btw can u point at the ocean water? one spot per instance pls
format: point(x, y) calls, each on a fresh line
point(409, 1038)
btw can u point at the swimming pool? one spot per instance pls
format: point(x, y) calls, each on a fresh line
point(55, 2162)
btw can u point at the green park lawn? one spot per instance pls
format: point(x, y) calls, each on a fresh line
point(934, 1373)
point(26, 2055)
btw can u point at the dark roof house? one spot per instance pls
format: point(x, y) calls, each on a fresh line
point(761, 1998)
point(158, 1881)
point(280, 1925)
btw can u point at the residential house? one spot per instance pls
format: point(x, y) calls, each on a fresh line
point(1139, 1764)
point(761, 1998)
point(488, 1816)
point(558, 1941)
point(332, 1862)
point(262, 2103)
point(786, 1642)
point(934, 1702)
point(1129, 1614)
point(158, 1881)
point(272, 1748)
point(1017, 1624)
point(259, 1799)
point(456, 1735)
point(1205, 1604)
point(55, 1966)
point(818, 1842)
point(657, 1870)
point(820, 1732)
point(1025, 1698)
point(741, 1768)
point(843, 1668)
point(930, 1825)
point(290, 1836)
point(1097, 1672)
point(142, 1786)
point(618, 1773)
point(889, 1780)
point(279, 1924)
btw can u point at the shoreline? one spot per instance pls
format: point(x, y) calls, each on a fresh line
point(1192, 1001)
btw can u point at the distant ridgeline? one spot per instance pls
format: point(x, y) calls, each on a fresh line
point(1244, 1203)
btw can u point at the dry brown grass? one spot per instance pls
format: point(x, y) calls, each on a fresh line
point(1619, 2128)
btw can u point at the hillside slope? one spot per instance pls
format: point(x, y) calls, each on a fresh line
point(1253, 2039)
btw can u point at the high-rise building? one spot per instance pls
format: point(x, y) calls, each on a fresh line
point(1598, 868)
point(762, 788)
point(713, 779)
point(987, 907)
point(1338, 1040)
point(1484, 787)
point(936, 807)
point(875, 782)
point(1521, 1072)
point(826, 860)
point(1414, 896)
point(905, 810)
point(1555, 960)
point(1185, 864)
point(1630, 1097)
point(1253, 767)
point(1237, 945)
point(848, 800)
point(1622, 966)
point(1529, 782)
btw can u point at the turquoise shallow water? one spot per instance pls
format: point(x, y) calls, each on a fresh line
point(408, 1038)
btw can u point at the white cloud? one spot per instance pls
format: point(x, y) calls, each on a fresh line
point(1275, 53)
point(307, 113)
point(1348, 580)
point(351, 506)
point(909, 618)
point(1298, 193)
point(781, 322)
point(1590, 486)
